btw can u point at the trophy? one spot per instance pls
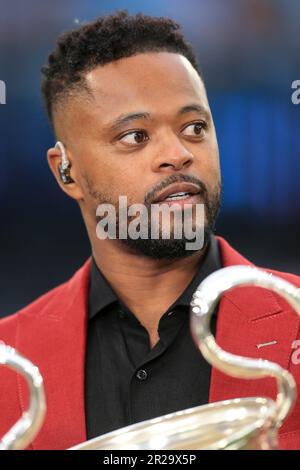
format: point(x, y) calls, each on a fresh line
point(26, 428)
point(241, 423)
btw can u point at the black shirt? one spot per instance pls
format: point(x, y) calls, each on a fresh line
point(126, 381)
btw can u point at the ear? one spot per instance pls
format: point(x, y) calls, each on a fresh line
point(54, 160)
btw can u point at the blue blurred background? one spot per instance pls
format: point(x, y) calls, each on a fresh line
point(249, 53)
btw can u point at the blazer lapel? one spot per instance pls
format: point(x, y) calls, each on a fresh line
point(248, 318)
point(54, 339)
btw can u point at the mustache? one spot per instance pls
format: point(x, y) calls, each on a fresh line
point(151, 195)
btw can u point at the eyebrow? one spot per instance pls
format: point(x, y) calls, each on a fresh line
point(126, 118)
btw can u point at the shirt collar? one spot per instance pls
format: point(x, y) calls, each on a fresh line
point(210, 263)
point(101, 294)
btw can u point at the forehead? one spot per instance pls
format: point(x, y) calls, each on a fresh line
point(158, 83)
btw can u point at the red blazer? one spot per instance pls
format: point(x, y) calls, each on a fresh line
point(51, 332)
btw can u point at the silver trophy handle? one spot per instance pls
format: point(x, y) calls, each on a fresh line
point(26, 428)
point(203, 304)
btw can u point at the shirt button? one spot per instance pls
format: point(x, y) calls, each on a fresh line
point(141, 374)
point(122, 314)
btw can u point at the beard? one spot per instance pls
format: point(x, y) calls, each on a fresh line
point(166, 248)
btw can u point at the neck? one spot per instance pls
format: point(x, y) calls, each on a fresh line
point(146, 286)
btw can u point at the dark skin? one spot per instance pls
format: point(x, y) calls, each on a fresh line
point(160, 84)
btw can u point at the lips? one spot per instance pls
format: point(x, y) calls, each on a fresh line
point(177, 191)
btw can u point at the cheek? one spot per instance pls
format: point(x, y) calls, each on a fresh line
point(213, 148)
point(126, 177)
point(207, 162)
point(112, 182)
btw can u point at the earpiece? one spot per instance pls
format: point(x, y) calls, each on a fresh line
point(64, 167)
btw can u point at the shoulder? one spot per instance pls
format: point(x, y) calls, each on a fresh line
point(293, 278)
point(231, 257)
point(46, 304)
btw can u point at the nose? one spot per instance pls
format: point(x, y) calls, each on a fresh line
point(172, 155)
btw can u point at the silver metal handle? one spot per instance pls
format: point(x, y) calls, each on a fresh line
point(26, 428)
point(203, 304)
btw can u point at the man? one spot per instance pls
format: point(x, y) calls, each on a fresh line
point(130, 113)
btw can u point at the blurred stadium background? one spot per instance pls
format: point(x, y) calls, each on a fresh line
point(249, 53)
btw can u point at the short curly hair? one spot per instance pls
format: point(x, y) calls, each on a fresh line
point(106, 39)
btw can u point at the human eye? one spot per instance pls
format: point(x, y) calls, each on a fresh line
point(195, 129)
point(137, 137)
